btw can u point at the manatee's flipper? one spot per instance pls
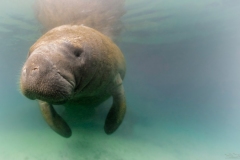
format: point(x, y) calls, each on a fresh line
point(54, 120)
point(118, 109)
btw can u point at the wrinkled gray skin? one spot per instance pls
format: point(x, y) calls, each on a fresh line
point(74, 66)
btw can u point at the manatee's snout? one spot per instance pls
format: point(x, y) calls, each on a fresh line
point(42, 79)
point(25, 86)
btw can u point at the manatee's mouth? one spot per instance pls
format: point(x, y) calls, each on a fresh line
point(54, 88)
point(70, 82)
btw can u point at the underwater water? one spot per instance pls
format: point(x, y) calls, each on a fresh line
point(182, 87)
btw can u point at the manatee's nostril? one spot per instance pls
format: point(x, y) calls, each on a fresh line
point(35, 69)
point(24, 72)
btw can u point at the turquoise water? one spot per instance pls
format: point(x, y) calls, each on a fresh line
point(182, 87)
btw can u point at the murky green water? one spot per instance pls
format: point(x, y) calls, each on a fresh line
point(182, 87)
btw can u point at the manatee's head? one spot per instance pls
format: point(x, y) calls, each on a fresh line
point(54, 72)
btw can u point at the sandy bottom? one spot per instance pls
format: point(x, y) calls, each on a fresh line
point(83, 145)
point(93, 144)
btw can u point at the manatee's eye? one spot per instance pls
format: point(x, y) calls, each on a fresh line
point(78, 52)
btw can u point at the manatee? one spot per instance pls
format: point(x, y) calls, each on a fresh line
point(75, 65)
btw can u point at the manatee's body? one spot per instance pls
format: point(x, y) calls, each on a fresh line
point(75, 65)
